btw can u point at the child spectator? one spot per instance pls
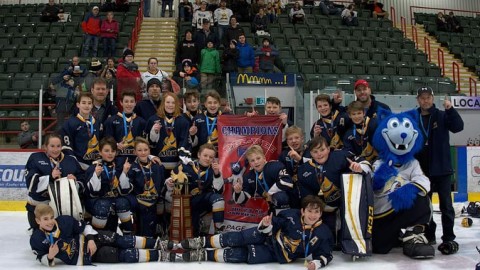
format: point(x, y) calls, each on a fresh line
point(209, 66)
point(109, 32)
point(266, 54)
point(230, 58)
point(262, 244)
point(205, 184)
point(26, 138)
point(91, 28)
point(188, 76)
point(246, 55)
point(297, 14)
point(75, 243)
point(108, 188)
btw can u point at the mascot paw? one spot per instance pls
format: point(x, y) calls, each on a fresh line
point(403, 197)
point(382, 175)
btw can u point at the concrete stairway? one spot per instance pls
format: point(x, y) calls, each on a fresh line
point(157, 38)
point(465, 74)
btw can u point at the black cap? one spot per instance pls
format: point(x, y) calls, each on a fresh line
point(424, 89)
point(153, 81)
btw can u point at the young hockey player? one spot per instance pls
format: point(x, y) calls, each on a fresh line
point(358, 139)
point(43, 168)
point(265, 179)
point(108, 187)
point(82, 132)
point(125, 126)
point(147, 179)
point(75, 243)
point(291, 235)
point(205, 184)
point(192, 102)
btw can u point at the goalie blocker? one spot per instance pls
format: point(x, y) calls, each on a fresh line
point(357, 215)
point(64, 198)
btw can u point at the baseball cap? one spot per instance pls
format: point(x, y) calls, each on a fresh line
point(360, 82)
point(424, 89)
point(95, 7)
point(205, 21)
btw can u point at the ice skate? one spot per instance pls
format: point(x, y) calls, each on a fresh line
point(195, 255)
point(166, 256)
point(193, 243)
point(448, 247)
point(164, 245)
point(415, 244)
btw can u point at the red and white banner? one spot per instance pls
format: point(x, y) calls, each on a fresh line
point(236, 134)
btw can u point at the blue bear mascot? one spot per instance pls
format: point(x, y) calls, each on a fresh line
point(400, 187)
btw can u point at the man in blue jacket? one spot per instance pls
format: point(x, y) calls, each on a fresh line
point(436, 162)
point(246, 56)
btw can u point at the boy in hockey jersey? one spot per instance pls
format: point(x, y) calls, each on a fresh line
point(82, 132)
point(43, 168)
point(200, 15)
point(147, 179)
point(358, 139)
point(125, 126)
point(192, 102)
point(205, 184)
point(75, 243)
point(265, 179)
point(291, 235)
point(322, 176)
point(108, 187)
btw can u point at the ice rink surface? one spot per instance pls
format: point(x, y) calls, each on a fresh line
point(15, 253)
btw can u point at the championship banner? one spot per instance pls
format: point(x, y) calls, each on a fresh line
point(236, 134)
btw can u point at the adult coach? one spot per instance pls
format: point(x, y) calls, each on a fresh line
point(363, 93)
point(436, 163)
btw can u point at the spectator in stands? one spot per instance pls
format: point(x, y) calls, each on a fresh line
point(187, 49)
point(186, 11)
point(109, 33)
point(65, 97)
point(109, 66)
point(128, 76)
point(27, 138)
point(49, 96)
point(271, 13)
point(91, 28)
point(212, 5)
point(122, 5)
point(166, 3)
point(230, 58)
point(441, 22)
point(349, 16)
point(256, 6)
point(94, 71)
point(209, 66)
point(378, 11)
point(201, 15)
point(187, 75)
point(196, 5)
point(108, 6)
point(146, 8)
point(246, 55)
point(297, 14)
point(51, 11)
point(328, 8)
point(152, 72)
point(221, 17)
point(266, 54)
point(148, 107)
point(453, 23)
point(111, 80)
point(75, 70)
point(205, 35)
point(241, 9)
point(233, 32)
point(260, 22)
point(278, 5)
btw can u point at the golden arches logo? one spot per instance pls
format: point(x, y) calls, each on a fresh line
point(253, 79)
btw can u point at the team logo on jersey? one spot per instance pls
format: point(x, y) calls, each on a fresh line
point(128, 144)
point(70, 248)
point(169, 146)
point(213, 138)
point(330, 191)
point(369, 153)
point(92, 149)
point(149, 195)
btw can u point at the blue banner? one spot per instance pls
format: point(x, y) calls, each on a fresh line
point(12, 176)
point(262, 79)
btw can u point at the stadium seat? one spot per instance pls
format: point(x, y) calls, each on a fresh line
point(388, 68)
point(42, 27)
point(285, 52)
point(72, 50)
point(38, 80)
point(56, 51)
point(49, 38)
point(28, 97)
point(5, 81)
point(290, 66)
point(315, 82)
point(31, 65)
point(28, 27)
point(384, 85)
point(306, 66)
point(357, 67)
point(9, 51)
point(309, 40)
point(324, 67)
point(402, 86)
point(48, 65)
point(20, 81)
point(300, 52)
point(33, 38)
point(40, 50)
point(347, 53)
point(10, 97)
point(18, 39)
point(341, 67)
point(9, 18)
point(14, 65)
point(418, 69)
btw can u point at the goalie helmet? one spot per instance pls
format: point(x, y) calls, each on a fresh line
point(473, 209)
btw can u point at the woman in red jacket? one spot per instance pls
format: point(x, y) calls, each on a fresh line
point(128, 77)
point(109, 32)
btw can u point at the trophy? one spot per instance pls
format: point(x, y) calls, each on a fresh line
point(181, 219)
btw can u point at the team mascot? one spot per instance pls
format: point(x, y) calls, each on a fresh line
point(400, 187)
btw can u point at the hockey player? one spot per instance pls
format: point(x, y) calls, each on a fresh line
point(358, 139)
point(147, 179)
point(167, 131)
point(82, 132)
point(192, 102)
point(332, 123)
point(322, 176)
point(205, 184)
point(108, 188)
point(125, 126)
point(291, 235)
point(75, 243)
point(43, 168)
point(292, 157)
point(204, 129)
point(269, 180)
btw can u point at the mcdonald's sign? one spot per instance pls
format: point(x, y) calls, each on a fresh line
point(263, 79)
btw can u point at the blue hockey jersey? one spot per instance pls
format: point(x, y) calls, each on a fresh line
point(124, 128)
point(111, 183)
point(201, 179)
point(333, 128)
point(358, 140)
point(147, 180)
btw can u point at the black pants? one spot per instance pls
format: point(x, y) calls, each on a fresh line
point(442, 185)
point(387, 229)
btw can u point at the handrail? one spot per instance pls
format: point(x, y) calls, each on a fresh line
point(441, 60)
point(426, 46)
point(415, 36)
point(441, 9)
point(403, 25)
point(470, 80)
point(393, 15)
point(456, 78)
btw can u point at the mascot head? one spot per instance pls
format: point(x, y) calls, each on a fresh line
point(397, 137)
